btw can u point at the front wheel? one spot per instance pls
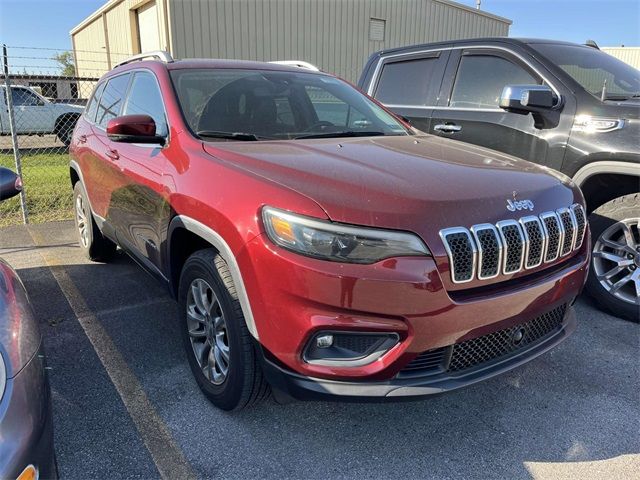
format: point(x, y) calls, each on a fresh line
point(614, 279)
point(218, 344)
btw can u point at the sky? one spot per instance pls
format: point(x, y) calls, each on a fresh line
point(39, 23)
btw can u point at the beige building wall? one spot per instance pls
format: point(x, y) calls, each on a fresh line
point(629, 55)
point(336, 35)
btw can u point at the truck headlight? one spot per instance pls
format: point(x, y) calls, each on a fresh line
point(338, 242)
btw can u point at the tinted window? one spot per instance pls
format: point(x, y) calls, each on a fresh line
point(591, 68)
point(112, 99)
point(481, 79)
point(277, 104)
point(92, 106)
point(144, 98)
point(25, 98)
point(406, 83)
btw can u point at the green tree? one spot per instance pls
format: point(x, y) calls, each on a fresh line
point(67, 66)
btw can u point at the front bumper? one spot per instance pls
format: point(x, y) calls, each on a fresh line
point(308, 388)
point(26, 422)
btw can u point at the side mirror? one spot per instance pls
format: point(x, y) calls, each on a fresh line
point(526, 98)
point(133, 129)
point(10, 184)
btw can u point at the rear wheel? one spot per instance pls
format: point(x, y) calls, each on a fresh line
point(216, 339)
point(94, 245)
point(614, 279)
point(64, 128)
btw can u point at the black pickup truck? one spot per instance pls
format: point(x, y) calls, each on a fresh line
point(570, 107)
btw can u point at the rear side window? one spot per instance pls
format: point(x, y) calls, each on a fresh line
point(406, 82)
point(92, 106)
point(145, 98)
point(112, 98)
point(481, 78)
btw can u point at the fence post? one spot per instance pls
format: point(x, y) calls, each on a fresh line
point(14, 134)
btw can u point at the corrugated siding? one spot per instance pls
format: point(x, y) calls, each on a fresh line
point(332, 34)
point(90, 49)
point(629, 55)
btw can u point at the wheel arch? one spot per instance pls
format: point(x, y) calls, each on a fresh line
point(63, 118)
point(602, 181)
point(197, 236)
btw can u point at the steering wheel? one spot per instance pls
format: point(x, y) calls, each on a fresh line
point(321, 123)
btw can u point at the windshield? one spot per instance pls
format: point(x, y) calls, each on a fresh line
point(238, 104)
point(590, 67)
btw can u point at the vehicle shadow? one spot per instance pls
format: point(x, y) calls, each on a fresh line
point(577, 403)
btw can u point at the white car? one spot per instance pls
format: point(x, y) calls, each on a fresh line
point(35, 115)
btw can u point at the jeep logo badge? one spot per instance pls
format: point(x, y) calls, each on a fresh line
point(513, 205)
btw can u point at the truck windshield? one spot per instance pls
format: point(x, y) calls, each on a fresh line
point(242, 104)
point(591, 67)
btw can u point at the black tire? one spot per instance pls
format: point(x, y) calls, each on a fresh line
point(600, 220)
point(96, 247)
point(244, 384)
point(64, 128)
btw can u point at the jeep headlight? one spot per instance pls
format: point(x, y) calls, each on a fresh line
point(338, 242)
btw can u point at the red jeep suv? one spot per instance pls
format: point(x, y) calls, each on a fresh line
point(316, 243)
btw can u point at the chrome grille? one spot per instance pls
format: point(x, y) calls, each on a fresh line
point(569, 225)
point(581, 222)
point(513, 241)
point(535, 241)
point(485, 251)
point(489, 250)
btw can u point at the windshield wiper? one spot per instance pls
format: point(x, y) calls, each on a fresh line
point(345, 133)
point(229, 135)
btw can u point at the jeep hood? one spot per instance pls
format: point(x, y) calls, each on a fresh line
point(415, 183)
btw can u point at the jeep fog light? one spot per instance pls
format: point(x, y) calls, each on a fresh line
point(348, 349)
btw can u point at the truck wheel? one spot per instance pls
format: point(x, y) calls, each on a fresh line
point(216, 339)
point(94, 245)
point(64, 128)
point(614, 279)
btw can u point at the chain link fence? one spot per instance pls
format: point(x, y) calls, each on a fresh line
point(41, 99)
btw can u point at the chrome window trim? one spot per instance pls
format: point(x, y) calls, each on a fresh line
point(443, 235)
point(543, 247)
point(574, 207)
point(376, 74)
point(553, 215)
point(474, 231)
point(559, 212)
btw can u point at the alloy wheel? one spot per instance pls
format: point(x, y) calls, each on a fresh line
point(616, 260)
point(81, 221)
point(207, 329)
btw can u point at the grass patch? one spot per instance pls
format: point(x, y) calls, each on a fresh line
point(46, 182)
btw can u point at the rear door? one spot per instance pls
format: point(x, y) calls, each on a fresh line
point(468, 107)
point(408, 84)
point(139, 210)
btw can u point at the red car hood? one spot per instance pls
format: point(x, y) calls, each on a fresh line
point(421, 184)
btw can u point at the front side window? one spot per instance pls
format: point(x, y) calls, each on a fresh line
point(406, 82)
point(112, 98)
point(481, 79)
point(277, 105)
point(92, 106)
point(594, 70)
point(145, 98)
point(25, 98)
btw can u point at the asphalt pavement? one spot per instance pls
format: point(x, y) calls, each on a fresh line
point(126, 405)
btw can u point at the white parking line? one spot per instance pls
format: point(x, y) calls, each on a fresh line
point(166, 454)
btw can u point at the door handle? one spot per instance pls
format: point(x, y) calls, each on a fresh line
point(113, 154)
point(447, 128)
point(82, 139)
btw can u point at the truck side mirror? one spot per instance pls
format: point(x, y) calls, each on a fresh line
point(525, 99)
point(10, 184)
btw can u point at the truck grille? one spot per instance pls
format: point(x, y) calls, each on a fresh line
point(481, 350)
point(485, 251)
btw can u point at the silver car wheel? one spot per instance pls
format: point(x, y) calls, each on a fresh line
point(81, 221)
point(207, 331)
point(616, 260)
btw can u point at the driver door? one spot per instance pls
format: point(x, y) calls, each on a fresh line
point(33, 114)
